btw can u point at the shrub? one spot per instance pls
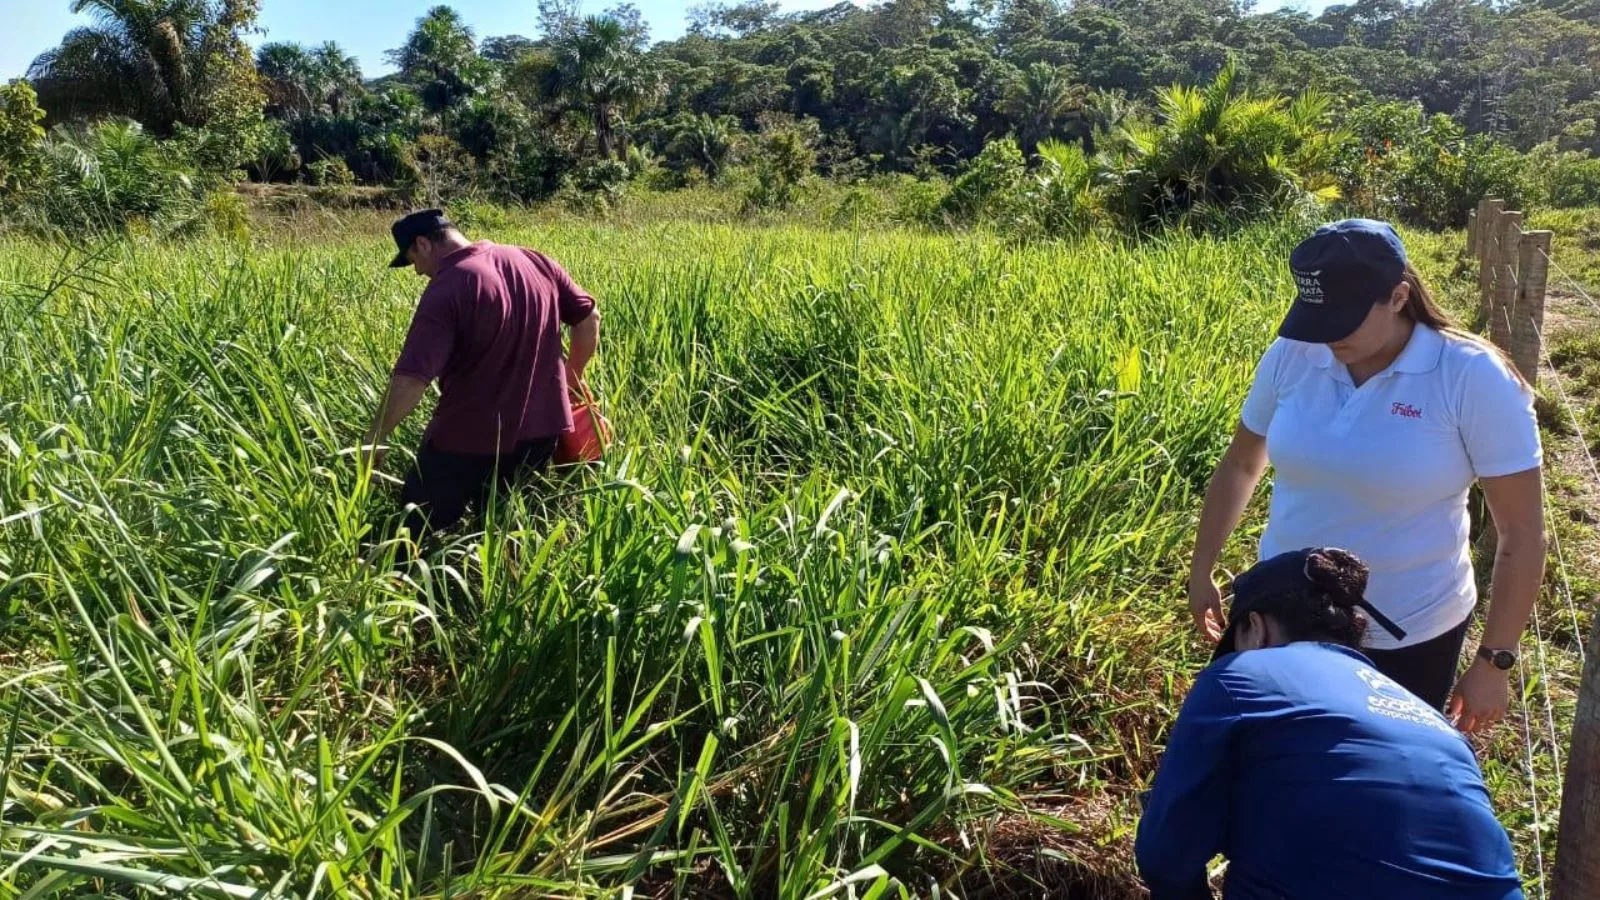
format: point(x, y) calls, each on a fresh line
point(476, 216)
point(532, 171)
point(1574, 182)
point(644, 166)
point(597, 187)
point(22, 162)
point(784, 156)
point(991, 189)
point(276, 159)
point(1442, 176)
point(1366, 164)
point(227, 214)
point(1059, 199)
point(112, 175)
point(331, 171)
point(1563, 179)
point(603, 176)
point(1219, 146)
point(857, 206)
point(913, 201)
point(439, 169)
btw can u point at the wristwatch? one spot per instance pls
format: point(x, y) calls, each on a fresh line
point(1504, 660)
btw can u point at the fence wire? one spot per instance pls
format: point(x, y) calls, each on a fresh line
point(1536, 688)
point(1571, 282)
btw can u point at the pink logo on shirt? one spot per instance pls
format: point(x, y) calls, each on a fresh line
point(1406, 410)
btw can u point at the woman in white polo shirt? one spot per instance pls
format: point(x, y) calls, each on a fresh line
point(1377, 417)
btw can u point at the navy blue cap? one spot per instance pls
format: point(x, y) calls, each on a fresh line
point(1341, 271)
point(412, 226)
point(1273, 584)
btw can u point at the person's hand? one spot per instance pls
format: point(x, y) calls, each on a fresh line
point(574, 375)
point(371, 455)
point(1480, 698)
point(1205, 605)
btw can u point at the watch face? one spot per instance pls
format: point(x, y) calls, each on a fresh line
point(1504, 659)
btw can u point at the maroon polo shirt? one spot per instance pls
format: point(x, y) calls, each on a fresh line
point(489, 328)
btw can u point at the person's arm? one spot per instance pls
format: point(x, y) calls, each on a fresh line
point(1500, 432)
point(583, 344)
point(1185, 820)
point(1232, 485)
point(1516, 504)
point(578, 312)
point(399, 400)
point(429, 344)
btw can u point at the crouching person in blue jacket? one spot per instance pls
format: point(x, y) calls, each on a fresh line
point(1313, 774)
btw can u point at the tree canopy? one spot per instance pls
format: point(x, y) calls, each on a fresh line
point(913, 86)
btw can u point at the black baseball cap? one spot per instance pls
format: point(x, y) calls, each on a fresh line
point(412, 226)
point(1272, 585)
point(1341, 271)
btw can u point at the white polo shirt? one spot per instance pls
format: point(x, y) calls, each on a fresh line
point(1383, 470)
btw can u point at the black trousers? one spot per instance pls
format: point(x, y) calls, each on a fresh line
point(1427, 669)
point(442, 485)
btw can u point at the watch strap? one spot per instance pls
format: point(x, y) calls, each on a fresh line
point(1490, 654)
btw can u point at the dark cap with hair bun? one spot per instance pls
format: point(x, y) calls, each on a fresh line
point(1321, 576)
point(1339, 573)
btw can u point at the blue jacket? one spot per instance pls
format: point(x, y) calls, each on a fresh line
point(1317, 777)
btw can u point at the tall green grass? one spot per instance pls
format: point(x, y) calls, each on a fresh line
point(888, 554)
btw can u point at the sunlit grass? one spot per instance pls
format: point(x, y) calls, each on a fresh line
point(890, 547)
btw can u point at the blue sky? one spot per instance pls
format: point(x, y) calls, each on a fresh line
point(364, 27)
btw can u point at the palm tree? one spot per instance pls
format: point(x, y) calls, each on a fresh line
point(1037, 104)
point(110, 173)
point(303, 82)
point(1103, 114)
point(1218, 147)
point(705, 140)
point(601, 69)
point(440, 57)
point(338, 76)
point(287, 72)
point(138, 59)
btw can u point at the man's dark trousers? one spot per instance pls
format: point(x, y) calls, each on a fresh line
point(442, 485)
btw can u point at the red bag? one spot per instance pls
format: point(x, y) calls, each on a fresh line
point(590, 434)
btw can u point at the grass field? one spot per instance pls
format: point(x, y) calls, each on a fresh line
point(878, 592)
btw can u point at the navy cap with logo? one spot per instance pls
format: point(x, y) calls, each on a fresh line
point(1275, 585)
point(412, 226)
point(1341, 271)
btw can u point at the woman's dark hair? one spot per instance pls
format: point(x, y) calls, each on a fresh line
point(1424, 310)
point(1325, 610)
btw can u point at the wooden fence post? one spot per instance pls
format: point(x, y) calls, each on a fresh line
point(1504, 293)
point(1476, 220)
point(1489, 232)
point(1577, 875)
point(1527, 311)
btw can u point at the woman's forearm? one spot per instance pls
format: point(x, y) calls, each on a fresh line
point(1232, 485)
point(1226, 499)
point(1518, 576)
point(1516, 503)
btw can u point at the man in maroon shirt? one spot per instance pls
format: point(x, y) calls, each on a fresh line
point(488, 328)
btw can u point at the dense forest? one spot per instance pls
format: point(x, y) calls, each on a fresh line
point(1136, 111)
